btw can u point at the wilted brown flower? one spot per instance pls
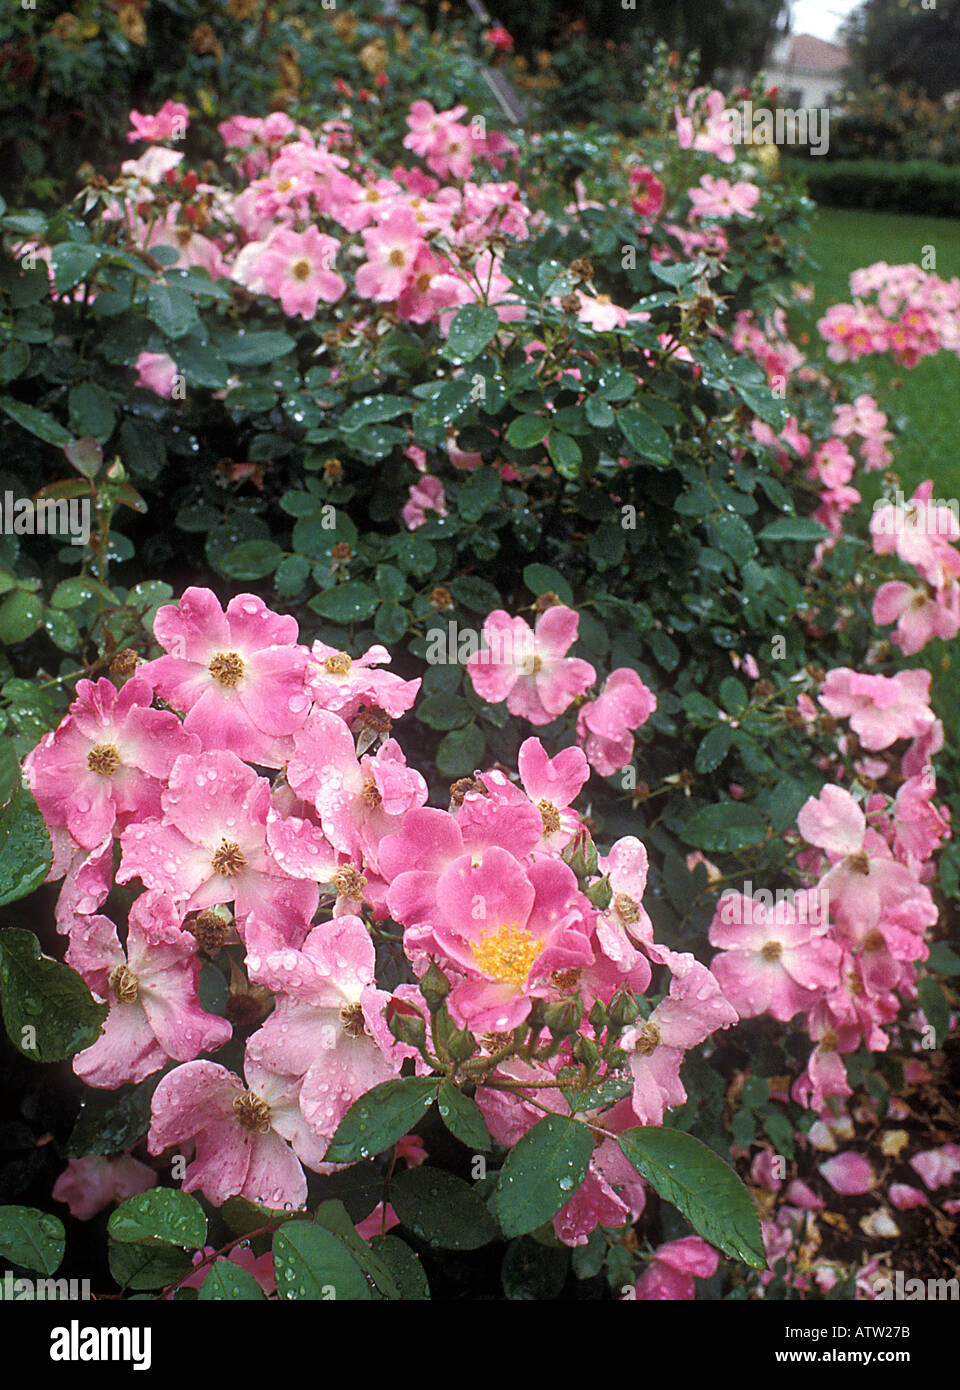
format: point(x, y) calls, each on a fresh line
point(345, 26)
point(132, 24)
point(373, 56)
point(204, 40)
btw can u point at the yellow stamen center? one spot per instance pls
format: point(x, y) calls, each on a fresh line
point(229, 859)
point(227, 668)
point(649, 1039)
point(124, 984)
point(252, 1112)
point(771, 950)
point(549, 815)
point(301, 270)
point(625, 908)
point(349, 882)
point(103, 760)
point(351, 1019)
point(506, 954)
point(338, 664)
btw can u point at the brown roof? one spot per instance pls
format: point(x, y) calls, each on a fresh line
point(816, 55)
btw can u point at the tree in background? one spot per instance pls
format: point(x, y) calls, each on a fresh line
point(729, 34)
point(903, 44)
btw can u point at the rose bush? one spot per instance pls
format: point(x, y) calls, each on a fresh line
point(528, 421)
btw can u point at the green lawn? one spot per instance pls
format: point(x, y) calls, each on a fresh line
point(926, 407)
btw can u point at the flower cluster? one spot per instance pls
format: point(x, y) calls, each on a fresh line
point(843, 952)
point(916, 314)
point(253, 791)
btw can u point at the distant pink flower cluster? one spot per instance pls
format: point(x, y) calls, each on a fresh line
point(843, 953)
point(265, 807)
point(923, 532)
point(273, 237)
point(916, 314)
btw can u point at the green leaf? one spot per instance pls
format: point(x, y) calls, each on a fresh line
point(91, 414)
point(171, 309)
point(346, 603)
point(72, 262)
point(9, 770)
point(30, 1238)
point(86, 454)
point(334, 1216)
point(460, 751)
point(542, 1172)
point(733, 693)
point(161, 1216)
point(20, 616)
point(565, 453)
point(543, 579)
point(229, 1282)
point(526, 431)
point(405, 1267)
point(441, 1209)
point(444, 711)
point(372, 410)
point(599, 412)
point(701, 1186)
point(933, 1002)
point(70, 593)
point(463, 1118)
point(533, 1273)
point(25, 850)
point(381, 1117)
point(480, 491)
point(112, 1121)
point(313, 1264)
point(644, 435)
point(943, 960)
point(472, 329)
point(390, 623)
point(713, 748)
point(255, 349)
point(147, 1266)
point(250, 560)
point(730, 533)
point(35, 421)
point(48, 1011)
point(729, 825)
point(794, 528)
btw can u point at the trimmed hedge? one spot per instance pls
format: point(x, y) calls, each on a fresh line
point(917, 186)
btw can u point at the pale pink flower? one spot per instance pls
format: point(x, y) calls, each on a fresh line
point(89, 1184)
point(172, 118)
point(211, 847)
point(239, 675)
point(151, 986)
point(670, 1274)
point(294, 267)
point(106, 762)
point(528, 668)
point(392, 249)
point(239, 1149)
point(157, 372)
point(605, 725)
point(425, 495)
